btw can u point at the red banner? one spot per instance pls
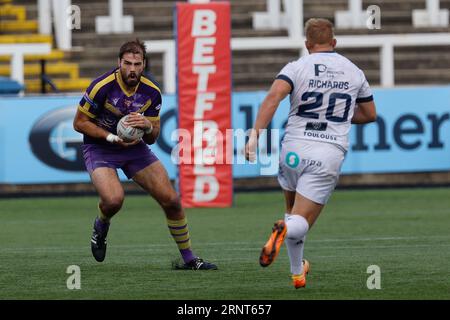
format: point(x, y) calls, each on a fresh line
point(204, 104)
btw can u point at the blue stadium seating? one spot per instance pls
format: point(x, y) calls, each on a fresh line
point(9, 86)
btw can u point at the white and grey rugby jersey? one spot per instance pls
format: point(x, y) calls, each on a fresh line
point(325, 89)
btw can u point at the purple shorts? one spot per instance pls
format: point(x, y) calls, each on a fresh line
point(130, 160)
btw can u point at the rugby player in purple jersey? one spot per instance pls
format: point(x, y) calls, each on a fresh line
point(127, 91)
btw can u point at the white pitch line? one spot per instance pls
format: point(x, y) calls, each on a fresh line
point(150, 246)
point(354, 247)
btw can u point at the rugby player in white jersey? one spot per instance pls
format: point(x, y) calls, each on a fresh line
point(327, 94)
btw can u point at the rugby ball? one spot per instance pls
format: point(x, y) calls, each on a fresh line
point(128, 133)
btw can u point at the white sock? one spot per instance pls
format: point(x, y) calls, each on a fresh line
point(297, 227)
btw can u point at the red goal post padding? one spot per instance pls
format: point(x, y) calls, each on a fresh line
point(203, 33)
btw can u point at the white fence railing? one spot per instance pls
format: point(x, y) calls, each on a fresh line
point(432, 16)
point(386, 43)
point(167, 48)
point(17, 51)
point(291, 19)
point(116, 22)
point(275, 19)
point(355, 17)
point(56, 11)
point(61, 12)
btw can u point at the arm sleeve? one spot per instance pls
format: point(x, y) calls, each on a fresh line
point(93, 100)
point(288, 74)
point(364, 93)
point(152, 113)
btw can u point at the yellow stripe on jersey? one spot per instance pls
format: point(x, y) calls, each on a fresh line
point(145, 107)
point(100, 84)
point(114, 110)
point(85, 110)
point(153, 118)
point(149, 83)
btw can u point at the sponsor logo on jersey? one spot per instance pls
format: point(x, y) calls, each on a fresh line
point(324, 136)
point(321, 68)
point(309, 162)
point(127, 103)
point(316, 126)
point(292, 160)
point(137, 105)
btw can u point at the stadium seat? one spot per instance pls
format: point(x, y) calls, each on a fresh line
point(18, 12)
point(70, 69)
point(53, 55)
point(71, 85)
point(154, 21)
point(16, 28)
point(8, 86)
point(31, 25)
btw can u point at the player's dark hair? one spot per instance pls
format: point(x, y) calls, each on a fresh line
point(135, 46)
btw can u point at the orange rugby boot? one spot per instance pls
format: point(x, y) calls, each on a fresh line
point(270, 250)
point(299, 280)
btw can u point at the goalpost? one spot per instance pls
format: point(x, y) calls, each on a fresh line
point(203, 33)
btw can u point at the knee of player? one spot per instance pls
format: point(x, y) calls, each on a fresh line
point(297, 227)
point(114, 201)
point(172, 204)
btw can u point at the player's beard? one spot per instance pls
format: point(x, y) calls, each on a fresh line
point(132, 79)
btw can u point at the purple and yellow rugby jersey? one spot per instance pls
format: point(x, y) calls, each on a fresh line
point(107, 100)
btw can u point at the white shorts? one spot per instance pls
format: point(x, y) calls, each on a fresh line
point(310, 168)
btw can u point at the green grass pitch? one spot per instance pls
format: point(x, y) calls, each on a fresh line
point(404, 232)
